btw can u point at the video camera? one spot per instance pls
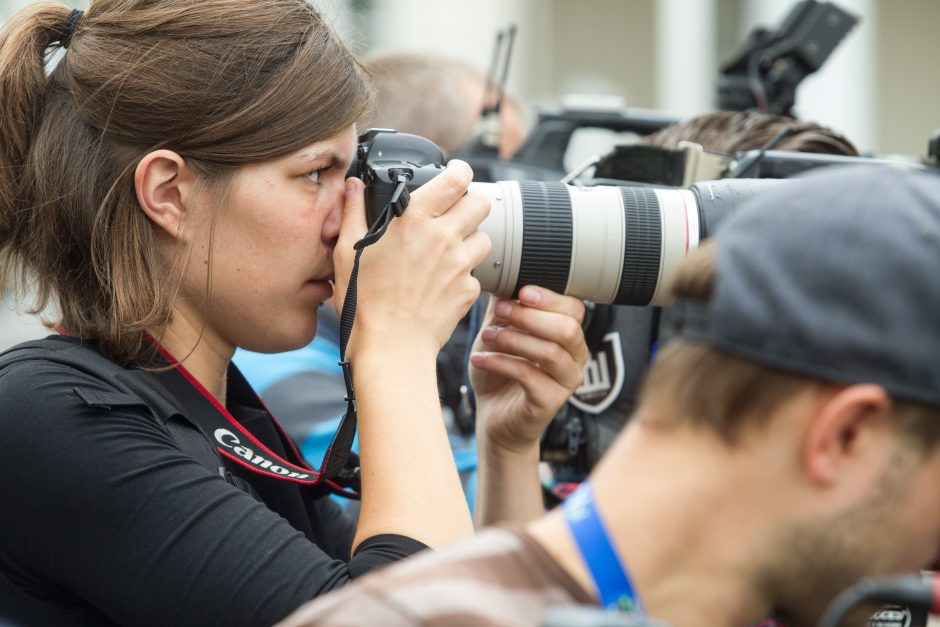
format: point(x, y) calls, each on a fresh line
point(765, 74)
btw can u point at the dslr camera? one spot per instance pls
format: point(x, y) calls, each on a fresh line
point(614, 244)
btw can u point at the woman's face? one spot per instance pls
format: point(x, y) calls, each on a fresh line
point(271, 253)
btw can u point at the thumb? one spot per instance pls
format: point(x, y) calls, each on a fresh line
point(354, 224)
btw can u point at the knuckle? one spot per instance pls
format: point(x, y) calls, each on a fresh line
point(440, 241)
point(409, 221)
point(478, 246)
point(509, 340)
point(481, 204)
point(482, 253)
point(433, 246)
point(579, 310)
point(577, 380)
point(569, 332)
point(455, 187)
point(457, 177)
point(583, 354)
point(487, 207)
point(472, 293)
point(462, 260)
point(487, 243)
point(554, 353)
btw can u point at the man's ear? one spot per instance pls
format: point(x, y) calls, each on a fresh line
point(844, 432)
point(163, 185)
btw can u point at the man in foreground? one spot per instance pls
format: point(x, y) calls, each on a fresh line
point(784, 446)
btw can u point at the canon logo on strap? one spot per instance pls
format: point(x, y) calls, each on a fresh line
point(229, 440)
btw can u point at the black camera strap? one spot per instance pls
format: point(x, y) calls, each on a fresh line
point(342, 441)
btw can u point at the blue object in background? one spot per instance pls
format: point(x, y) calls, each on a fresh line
point(304, 389)
point(264, 370)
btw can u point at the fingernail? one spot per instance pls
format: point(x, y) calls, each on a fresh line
point(490, 333)
point(350, 186)
point(530, 295)
point(477, 359)
point(503, 309)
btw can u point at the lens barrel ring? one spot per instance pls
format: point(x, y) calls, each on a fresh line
point(643, 246)
point(546, 236)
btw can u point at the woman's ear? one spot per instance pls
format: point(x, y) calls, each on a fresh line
point(164, 185)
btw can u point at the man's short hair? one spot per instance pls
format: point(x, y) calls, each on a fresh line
point(730, 132)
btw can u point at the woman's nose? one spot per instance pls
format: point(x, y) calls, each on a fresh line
point(331, 224)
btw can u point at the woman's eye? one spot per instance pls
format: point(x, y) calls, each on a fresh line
point(314, 177)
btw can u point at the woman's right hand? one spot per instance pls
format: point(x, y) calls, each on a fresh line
point(414, 283)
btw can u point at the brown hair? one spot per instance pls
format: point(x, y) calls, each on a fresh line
point(223, 83)
point(736, 131)
point(727, 394)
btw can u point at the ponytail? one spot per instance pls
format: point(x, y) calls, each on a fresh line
point(24, 41)
point(23, 44)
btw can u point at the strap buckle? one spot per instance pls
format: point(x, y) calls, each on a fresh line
point(347, 378)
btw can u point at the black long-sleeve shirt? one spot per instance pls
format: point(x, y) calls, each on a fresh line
point(105, 519)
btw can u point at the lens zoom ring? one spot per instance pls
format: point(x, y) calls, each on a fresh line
point(643, 249)
point(546, 236)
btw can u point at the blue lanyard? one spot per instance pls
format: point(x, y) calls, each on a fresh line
point(613, 584)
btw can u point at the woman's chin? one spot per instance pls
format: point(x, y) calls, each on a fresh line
point(283, 342)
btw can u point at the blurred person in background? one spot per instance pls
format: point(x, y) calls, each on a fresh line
point(731, 132)
point(438, 98)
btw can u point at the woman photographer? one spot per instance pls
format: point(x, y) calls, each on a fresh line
point(175, 188)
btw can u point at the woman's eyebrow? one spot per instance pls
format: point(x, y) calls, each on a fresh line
point(331, 158)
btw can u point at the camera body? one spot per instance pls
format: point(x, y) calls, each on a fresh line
point(383, 156)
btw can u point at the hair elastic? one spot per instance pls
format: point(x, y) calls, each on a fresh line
point(71, 24)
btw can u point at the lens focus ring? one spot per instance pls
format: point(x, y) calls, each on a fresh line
point(643, 246)
point(546, 236)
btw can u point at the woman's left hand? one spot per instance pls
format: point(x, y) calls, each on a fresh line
point(526, 363)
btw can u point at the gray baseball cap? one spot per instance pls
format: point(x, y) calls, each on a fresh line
point(835, 276)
